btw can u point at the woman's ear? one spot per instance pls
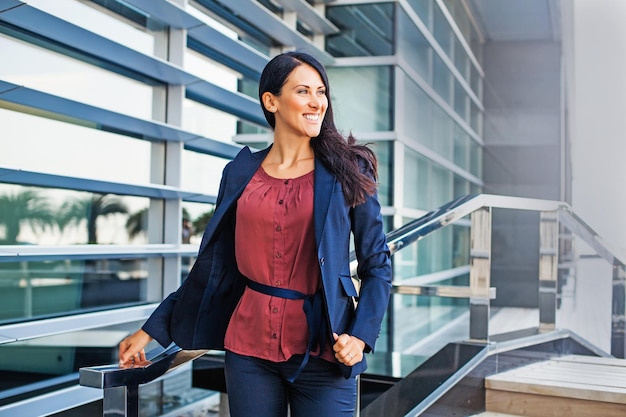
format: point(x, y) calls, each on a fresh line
point(269, 101)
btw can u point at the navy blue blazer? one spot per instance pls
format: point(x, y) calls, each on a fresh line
point(197, 314)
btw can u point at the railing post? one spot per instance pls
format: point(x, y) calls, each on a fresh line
point(480, 274)
point(548, 269)
point(618, 318)
point(121, 401)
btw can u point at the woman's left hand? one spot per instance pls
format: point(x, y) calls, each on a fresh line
point(348, 349)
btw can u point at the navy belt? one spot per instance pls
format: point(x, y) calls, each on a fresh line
point(313, 307)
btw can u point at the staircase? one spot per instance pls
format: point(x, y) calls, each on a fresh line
point(567, 386)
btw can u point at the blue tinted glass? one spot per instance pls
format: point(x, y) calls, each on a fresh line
point(366, 30)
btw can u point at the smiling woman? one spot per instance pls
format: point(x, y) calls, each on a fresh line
point(277, 250)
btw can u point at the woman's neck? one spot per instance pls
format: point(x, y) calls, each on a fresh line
point(289, 159)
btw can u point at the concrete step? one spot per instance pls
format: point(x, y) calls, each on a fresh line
point(568, 386)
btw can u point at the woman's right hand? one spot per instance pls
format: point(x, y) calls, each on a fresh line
point(131, 349)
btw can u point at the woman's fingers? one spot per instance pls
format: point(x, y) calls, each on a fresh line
point(348, 349)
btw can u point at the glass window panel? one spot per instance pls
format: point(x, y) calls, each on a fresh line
point(443, 127)
point(441, 185)
point(198, 215)
point(461, 186)
point(476, 82)
point(366, 30)
point(476, 163)
point(209, 70)
point(384, 153)
point(461, 147)
point(73, 79)
point(416, 181)
point(249, 87)
point(103, 24)
point(418, 318)
point(42, 359)
point(38, 144)
point(460, 101)
point(411, 179)
point(418, 118)
point(41, 289)
point(476, 119)
point(475, 188)
point(202, 173)
point(424, 183)
point(442, 80)
point(424, 9)
point(461, 60)
point(45, 216)
point(442, 31)
point(208, 122)
point(361, 98)
point(413, 47)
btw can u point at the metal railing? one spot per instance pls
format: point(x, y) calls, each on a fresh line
point(120, 385)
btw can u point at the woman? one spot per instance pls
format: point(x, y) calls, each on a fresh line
point(271, 284)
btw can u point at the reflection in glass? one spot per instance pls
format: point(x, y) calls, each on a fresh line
point(45, 216)
point(365, 30)
point(371, 87)
point(442, 31)
point(413, 47)
point(442, 79)
point(40, 289)
point(424, 8)
point(422, 322)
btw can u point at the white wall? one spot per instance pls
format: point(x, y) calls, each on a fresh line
point(595, 57)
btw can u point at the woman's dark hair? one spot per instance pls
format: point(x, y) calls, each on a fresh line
point(354, 165)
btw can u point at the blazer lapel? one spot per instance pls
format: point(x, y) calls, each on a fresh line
point(323, 190)
point(240, 172)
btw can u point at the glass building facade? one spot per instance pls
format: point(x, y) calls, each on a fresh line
point(117, 120)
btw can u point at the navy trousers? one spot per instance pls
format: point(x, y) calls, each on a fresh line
point(260, 388)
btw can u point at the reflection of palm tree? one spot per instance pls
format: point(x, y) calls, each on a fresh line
point(137, 223)
point(90, 209)
point(26, 206)
point(200, 223)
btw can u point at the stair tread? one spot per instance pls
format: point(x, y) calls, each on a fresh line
point(572, 376)
point(494, 414)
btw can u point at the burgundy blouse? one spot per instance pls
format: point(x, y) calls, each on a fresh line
point(275, 246)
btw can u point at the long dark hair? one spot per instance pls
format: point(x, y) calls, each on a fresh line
point(355, 166)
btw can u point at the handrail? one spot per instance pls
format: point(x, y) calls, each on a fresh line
point(121, 385)
point(111, 377)
point(467, 204)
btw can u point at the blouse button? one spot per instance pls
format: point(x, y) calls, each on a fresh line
point(280, 201)
point(279, 255)
point(286, 181)
point(277, 283)
point(274, 336)
point(278, 228)
point(274, 310)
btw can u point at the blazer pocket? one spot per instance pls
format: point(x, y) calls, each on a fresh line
point(348, 286)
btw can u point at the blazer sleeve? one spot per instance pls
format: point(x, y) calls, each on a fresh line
point(374, 270)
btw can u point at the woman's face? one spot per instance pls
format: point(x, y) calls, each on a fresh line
point(302, 104)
